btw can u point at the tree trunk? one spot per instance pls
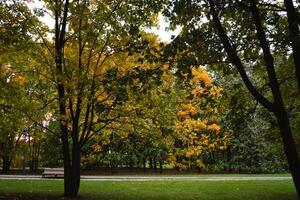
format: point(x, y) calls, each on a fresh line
point(294, 36)
point(228, 159)
point(72, 175)
point(68, 182)
point(289, 147)
point(144, 163)
point(6, 164)
point(36, 162)
point(151, 163)
point(155, 163)
point(161, 166)
point(75, 168)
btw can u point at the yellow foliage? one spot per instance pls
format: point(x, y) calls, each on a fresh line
point(19, 79)
point(199, 163)
point(200, 74)
point(166, 67)
point(215, 91)
point(198, 90)
point(96, 148)
point(194, 125)
point(214, 127)
point(188, 109)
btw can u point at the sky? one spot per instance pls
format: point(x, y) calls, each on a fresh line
point(161, 31)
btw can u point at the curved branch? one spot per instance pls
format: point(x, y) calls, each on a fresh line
point(233, 56)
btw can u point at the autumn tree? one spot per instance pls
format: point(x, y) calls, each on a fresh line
point(197, 128)
point(79, 63)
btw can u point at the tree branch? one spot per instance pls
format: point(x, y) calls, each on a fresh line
point(232, 54)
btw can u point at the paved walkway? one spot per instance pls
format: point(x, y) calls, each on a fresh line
point(151, 178)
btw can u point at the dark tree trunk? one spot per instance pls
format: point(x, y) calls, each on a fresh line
point(289, 146)
point(155, 163)
point(161, 166)
point(212, 157)
point(144, 163)
point(36, 162)
point(294, 36)
point(67, 160)
point(71, 159)
point(151, 163)
point(6, 164)
point(75, 169)
point(228, 158)
point(31, 165)
point(72, 173)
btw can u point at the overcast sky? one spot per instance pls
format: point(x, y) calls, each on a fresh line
point(162, 33)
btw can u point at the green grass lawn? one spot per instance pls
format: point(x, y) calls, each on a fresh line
point(156, 190)
point(198, 175)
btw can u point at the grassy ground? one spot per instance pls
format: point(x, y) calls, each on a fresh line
point(160, 190)
point(200, 175)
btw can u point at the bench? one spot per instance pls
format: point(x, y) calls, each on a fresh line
point(53, 173)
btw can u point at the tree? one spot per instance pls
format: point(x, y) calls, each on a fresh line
point(79, 63)
point(197, 129)
point(255, 144)
point(251, 34)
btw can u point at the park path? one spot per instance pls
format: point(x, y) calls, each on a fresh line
point(153, 178)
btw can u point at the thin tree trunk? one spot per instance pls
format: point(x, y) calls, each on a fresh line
point(36, 164)
point(6, 164)
point(30, 153)
point(161, 166)
point(151, 163)
point(144, 163)
point(228, 158)
point(155, 163)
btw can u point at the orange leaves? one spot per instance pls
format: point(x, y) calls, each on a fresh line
point(188, 109)
point(4, 69)
point(19, 79)
point(197, 124)
point(194, 125)
point(193, 151)
point(198, 90)
point(214, 127)
point(11, 75)
point(200, 74)
point(96, 148)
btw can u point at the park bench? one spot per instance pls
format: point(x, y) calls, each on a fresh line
point(53, 173)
